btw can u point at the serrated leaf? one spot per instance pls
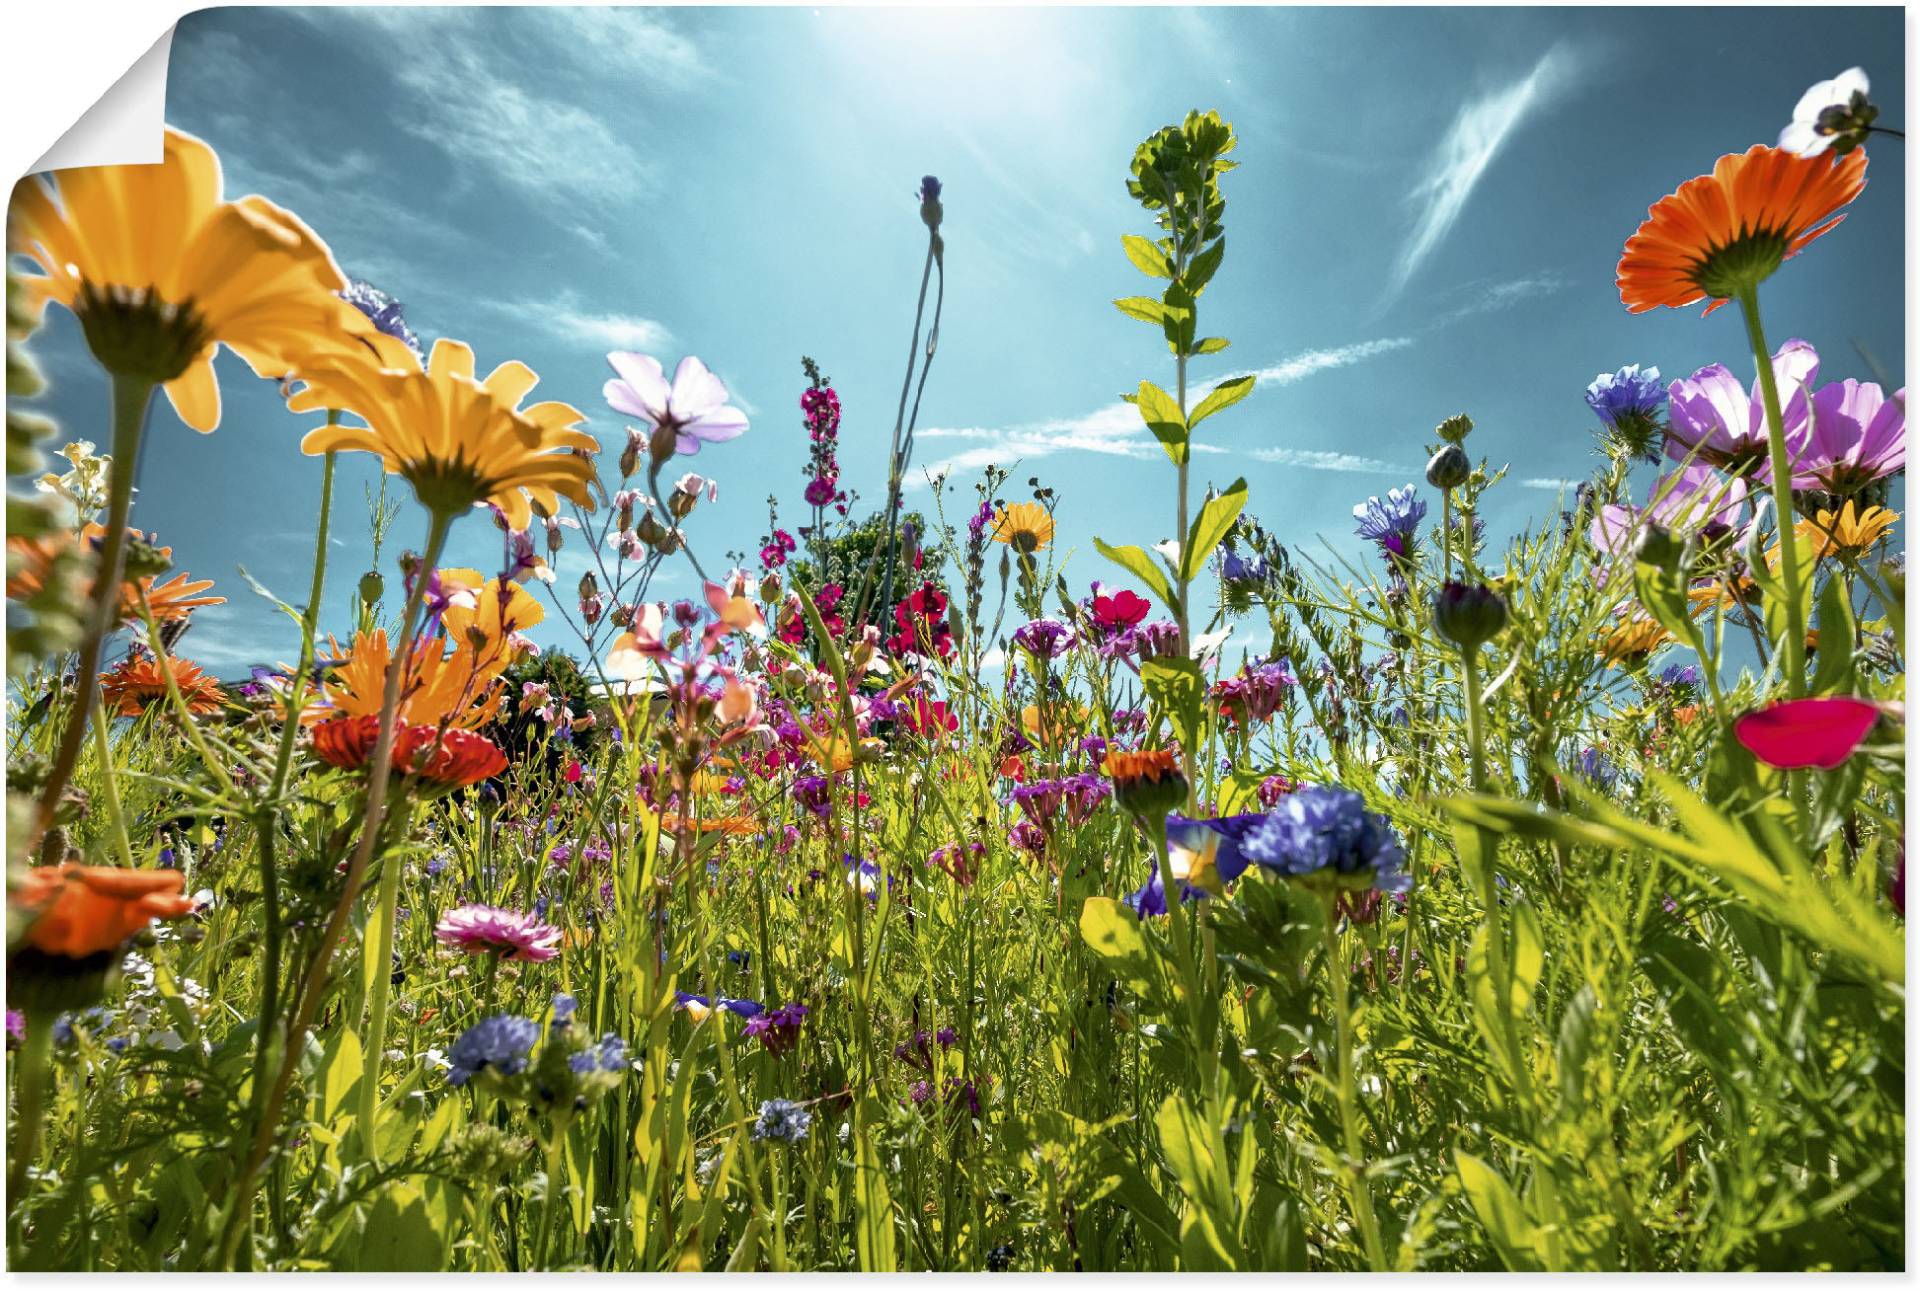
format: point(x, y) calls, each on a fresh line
point(1163, 418)
point(1147, 258)
point(1209, 527)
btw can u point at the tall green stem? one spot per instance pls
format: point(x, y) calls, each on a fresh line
point(1353, 1169)
point(29, 1103)
point(1782, 469)
point(109, 785)
point(131, 396)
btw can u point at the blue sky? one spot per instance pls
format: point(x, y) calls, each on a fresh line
point(1426, 218)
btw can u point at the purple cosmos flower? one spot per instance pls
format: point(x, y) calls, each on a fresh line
point(1693, 498)
point(1045, 638)
point(1159, 639)
point(693, 409)
point(1857, 435)
point(1711, 412)
point(1027, 836)
point(485, 929)
point(1629, 403)
point(1392, 523)
point(1323, 828)
point(501, 1043)
point(1256, 694)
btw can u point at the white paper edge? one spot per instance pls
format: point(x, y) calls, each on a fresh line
point(126, 126)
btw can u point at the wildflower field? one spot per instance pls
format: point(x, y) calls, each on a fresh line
point(906, 900)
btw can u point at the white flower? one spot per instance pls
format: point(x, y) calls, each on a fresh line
point(1804, 134)
point(694, 407)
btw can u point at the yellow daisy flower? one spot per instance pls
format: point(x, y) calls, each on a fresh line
point(1024, 526)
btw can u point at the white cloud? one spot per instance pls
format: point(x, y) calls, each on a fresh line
point(570, 319)
point(1475, 138)
point(1489, 297)
point(1315, 459)
point(1116, 429)
point(1549, 484)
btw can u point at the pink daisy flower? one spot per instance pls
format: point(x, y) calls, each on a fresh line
point(485, 929)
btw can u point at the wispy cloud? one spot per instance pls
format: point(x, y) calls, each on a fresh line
point(1475, 138)
point(1549, 484)
point(1490, 297)
point(1116, 430)
point(1313, 459)
point(567, 318)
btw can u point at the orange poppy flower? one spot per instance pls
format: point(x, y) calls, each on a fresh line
point(138, 684)
point(457, 759)
point(1723, 233)
point(81, 910)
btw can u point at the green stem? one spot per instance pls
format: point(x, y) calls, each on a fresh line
point(108, 783)
point(1353, 1169)
point(29, 1103)
point(556, 1160)
point(131, 396)
point(1782, 469)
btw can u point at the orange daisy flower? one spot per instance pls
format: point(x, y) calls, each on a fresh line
point(1723, 233)
point(81, 910)
point(34, 560)
point(138, 684)
point(1145, 779)
point(457, 759)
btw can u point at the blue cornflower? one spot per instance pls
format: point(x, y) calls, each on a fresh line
point(1629, 402)
point(782, 1120)
point(1327, 829)
point(1680, 676)
point(610, 1055)
point(1392, 523)
point(564, 1006)
point(1596, 770)
point(502, 1042)
point(1247, 572)
point(383, 311)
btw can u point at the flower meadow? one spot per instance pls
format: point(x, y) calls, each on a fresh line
point(905, 900)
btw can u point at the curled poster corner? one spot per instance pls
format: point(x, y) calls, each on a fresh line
point(126, 125)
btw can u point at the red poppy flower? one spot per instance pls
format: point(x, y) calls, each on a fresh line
point(1820, 732)
point(1123, 609)
point(459, 758)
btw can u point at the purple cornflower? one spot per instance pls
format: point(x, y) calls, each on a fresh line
point(814, 793)
point(1027, 836)
point(1857, 435)
point(501, 1043)
point(1244, 573)
point(1039, 801)
point(1629, 402)
point(1045, 638)
point(1391, 524)
point(383, 311)
point(778, 1029)
point(1083, 796)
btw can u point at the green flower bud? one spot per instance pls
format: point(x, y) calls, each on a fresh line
point(1469, 615)
point(1448, 468)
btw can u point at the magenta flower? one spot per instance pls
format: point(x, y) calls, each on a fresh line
point(694, 408)
point(1857, 435)
point(1712, 412)
point(485, 929)
point(1820, 732)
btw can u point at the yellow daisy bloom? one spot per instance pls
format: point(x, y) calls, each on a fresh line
point(459, 441)
point(462, 688)
point(1024, 526)
point(493, 607)
point(1629, 642)
point(1848, 534)
point(161, 271)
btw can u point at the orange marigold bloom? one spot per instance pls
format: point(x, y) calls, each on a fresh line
point(456, 759)
point(1723, 233)
point(138, 684)
point(82, 910)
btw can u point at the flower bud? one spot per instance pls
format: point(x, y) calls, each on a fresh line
point(681, 503)
point(372, 587)
point(1469, 615)
point(1658, 547)
point(651, 531)
point(1455, 428)
point(661, 444)
point(769, 588)
point(1448, 468)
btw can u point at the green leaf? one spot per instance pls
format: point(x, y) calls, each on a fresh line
point(1224, 395)
point(1500, 1212)
point(1209, 527)
point(1144, 308)
point(1663, 592)
point(1201, 271)
point(1833, 665)
point(1136, 561)
point(1163, 418)
point(1147, 258)
point(1112, 932)
point(1180, 690)
point(1177, 323)
point(402, 1234)
point(1211, 345)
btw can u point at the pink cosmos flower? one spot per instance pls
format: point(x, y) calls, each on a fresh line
point(1798, 733)
point(485, 929)
point(694, 407)
point(1713, 412)
point(1857, 435)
